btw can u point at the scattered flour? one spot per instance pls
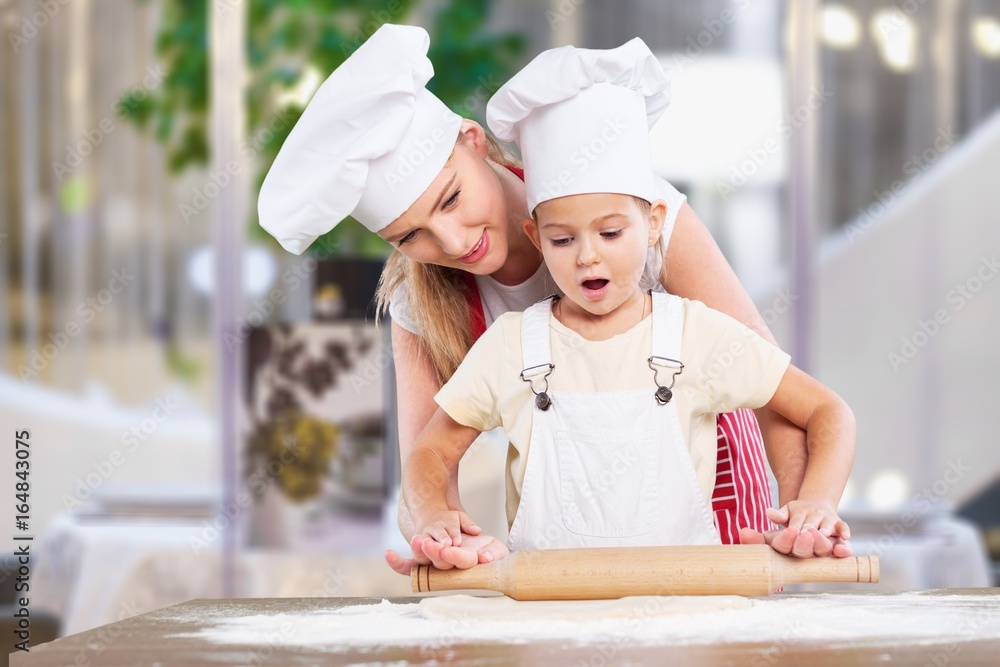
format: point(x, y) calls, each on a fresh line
point(831, 619)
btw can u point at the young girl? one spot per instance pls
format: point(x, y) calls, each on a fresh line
point(608, 392)
point(375, 144)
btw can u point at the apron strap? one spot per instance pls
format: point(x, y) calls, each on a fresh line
point(667, 325)
point(666, 347)
point(535, 352)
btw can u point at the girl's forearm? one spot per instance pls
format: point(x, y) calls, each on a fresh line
point(429, 479)
point(695, 268)
point(831, 438)
point(406, 524)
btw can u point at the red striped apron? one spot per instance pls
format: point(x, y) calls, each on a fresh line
point(742, 492)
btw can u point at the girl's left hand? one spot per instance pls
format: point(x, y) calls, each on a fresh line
point(810, 528)
point(802, 515)
point(788, 541)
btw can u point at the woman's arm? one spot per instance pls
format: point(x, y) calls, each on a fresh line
point(416, 386)
point(695, 268)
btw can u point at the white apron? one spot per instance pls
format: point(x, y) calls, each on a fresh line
point(607, 469)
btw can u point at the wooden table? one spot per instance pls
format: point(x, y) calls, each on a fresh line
point(144, 641)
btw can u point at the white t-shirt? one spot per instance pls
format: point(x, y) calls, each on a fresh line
point(499, 299)
point(726, 366)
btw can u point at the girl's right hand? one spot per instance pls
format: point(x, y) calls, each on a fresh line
point(447, 526)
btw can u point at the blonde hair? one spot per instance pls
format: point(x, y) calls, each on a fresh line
point(438, 295)
point(649, 280)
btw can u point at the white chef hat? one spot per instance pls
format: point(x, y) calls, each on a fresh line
point(370, 142)
point(581, 118)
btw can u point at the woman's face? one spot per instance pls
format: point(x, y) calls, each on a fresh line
point(461, 219)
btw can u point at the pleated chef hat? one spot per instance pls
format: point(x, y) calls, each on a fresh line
point(370, 142)
point(581, 118)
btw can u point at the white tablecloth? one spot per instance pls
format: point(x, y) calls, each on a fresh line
point(92, 574)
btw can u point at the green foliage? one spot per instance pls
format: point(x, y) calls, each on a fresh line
point(185, 367)
point(284, 40)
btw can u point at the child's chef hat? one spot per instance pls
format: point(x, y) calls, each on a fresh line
point(370, 142)
point(581, 118)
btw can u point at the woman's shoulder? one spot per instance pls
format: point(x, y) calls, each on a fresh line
point(669, 193)
point(675, 200)
point(699, 314)
point(399, 309)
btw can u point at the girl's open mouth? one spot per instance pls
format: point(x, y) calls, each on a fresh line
point(595, 284)
point(595, 288)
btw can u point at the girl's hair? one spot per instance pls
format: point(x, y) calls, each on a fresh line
point(650, 280)
point(438, 295)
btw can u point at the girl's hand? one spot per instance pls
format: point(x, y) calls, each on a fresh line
point(810, 529)
point(473, 551)
point(446, 526)
point(808, 544)
point(805, 514)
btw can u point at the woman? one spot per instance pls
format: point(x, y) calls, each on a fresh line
point(375, 144)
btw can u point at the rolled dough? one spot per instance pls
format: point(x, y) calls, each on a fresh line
point(503, 608)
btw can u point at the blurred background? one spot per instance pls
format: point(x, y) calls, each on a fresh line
point(211, 416)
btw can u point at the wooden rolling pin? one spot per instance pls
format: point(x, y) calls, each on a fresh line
point(608, 573)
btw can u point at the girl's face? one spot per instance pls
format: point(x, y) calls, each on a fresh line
point(461, 219)
point(595, 247)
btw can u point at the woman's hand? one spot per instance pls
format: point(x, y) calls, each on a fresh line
point(474, 549)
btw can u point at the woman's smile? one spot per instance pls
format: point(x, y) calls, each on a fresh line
point(478, 251)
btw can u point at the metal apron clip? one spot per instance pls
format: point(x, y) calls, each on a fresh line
point(542, 400)
point(663, 393)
